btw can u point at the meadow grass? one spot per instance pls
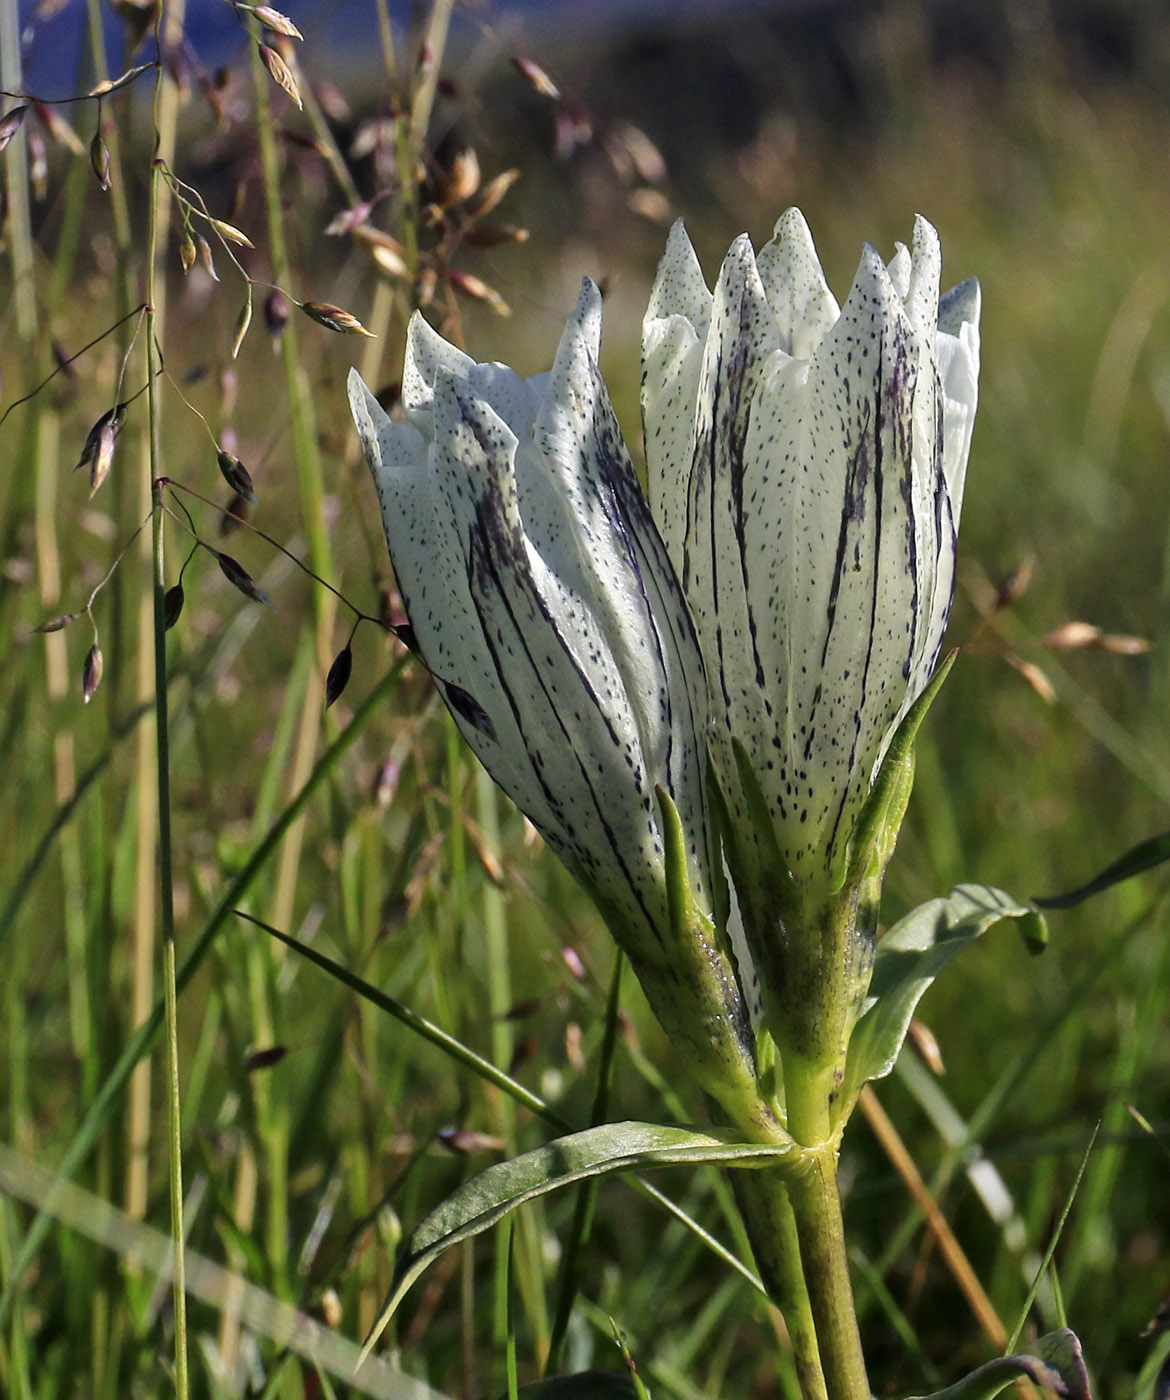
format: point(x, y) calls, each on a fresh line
point(316, 1128)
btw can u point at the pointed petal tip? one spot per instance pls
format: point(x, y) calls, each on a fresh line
point(367, 412)
point(961, 306)
point(924, 231)
point(792, 224)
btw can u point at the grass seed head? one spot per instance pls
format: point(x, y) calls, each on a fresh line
point(99, 158)
point(236, 475)
point(173, 601)
point(280, 73)
point(339, 673)
point(276, 314)
point(11, 122)
point(334, 318)
point(240, 578)
point(91, 672)
point(278, 23)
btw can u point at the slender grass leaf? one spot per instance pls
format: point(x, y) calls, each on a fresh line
point(908, 960)
point(107, 1096)
point(489, 1197)
point(1144, 856)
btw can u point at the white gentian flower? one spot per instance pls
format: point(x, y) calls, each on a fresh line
point(545, 606)
point(806, 469)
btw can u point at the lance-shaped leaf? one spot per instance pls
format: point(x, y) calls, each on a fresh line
point(614, 1147)
point(908, 959)
point(1055, 1365)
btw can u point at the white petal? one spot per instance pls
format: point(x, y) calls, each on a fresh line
point(579, 726)
point(672, 366)
point(427, 353)
point(958, 365)
point(679, 287)
point(674, 331)
point(429, 551)
point(797, 292)
point(921, 298)
point(594, 527)
point(899, 268)
point(838, 650)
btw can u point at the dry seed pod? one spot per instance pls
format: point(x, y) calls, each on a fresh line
point(173, 600)
point(348, 219)
point(574, 127)
point(331, 1311)
point(647, 159)
point(1034, 676)
point(99, 158)
point(103, 457)
point(492, 235)
point(1015, 585)
point(334, 318)
point(494, 191)
point(236, 475)
point(926, 1043)
point(478, 290)
point(98, 452)
point(428, 281)
point(1071, 636)
point(280, 73)
point(460, 182)
point(240, 578)
point(11, 122)
point(650, 204)
point(232, 234)
point(464, 1140)
point(276, 313)
point(55, 624)
point(392, 263)
point(536, 75)
point(1121, 644)
point(188, 253)
point(38, 166)
point(243, 321)
point(274, 20)
point(91, 672)
point(339, 673)
point(205, 257)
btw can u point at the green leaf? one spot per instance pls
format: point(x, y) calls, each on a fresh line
point(614, 1147)
point(1055, 1365)
point(585, 1385)
point(907, 961)
point(1144, 856)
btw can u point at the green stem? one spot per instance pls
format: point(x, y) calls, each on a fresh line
point(162, 742)
point(816, 1207)
point(767, 1212)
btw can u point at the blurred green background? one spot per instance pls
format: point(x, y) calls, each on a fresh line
point(1037, 139)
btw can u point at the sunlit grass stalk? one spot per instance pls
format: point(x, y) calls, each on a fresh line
point(16, 166)
point(107, 1097)
point(583, 1206)
point(303, 430)
point(158, 207)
